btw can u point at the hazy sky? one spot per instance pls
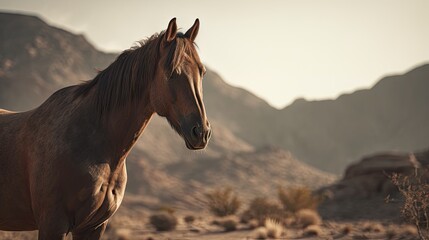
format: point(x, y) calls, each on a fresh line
point(280, 50)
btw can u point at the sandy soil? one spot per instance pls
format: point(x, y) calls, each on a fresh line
point(371, 218)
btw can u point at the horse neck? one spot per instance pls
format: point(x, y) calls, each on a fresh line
point(122, 94)
point(122, 125)
point(125, 125)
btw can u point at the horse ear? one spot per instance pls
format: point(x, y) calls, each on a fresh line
point(193, 31)
point(170, 33)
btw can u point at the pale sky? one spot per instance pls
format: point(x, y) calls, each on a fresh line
point(278, 49)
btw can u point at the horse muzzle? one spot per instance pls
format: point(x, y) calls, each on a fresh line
point(198, 136)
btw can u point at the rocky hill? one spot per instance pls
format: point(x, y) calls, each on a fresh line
point(36, 59)
point(392, 115)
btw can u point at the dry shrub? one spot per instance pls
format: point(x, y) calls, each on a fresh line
point(307, 217)
point(415, 190)
point(373, 227)
point(312, 231)
point(295, 199)
point(223, 202)
point(215, 222)
point(189, 219)
point(253, 224)
point(123, 237)
point(409, 230)
point(163, 221)
point(347, 229)
point(289, 221)
point(261, 233)
point(261, 209)
point(391, 233)
point(274, 228)
point(228, 225)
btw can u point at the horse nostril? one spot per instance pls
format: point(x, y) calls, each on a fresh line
point(195, 132)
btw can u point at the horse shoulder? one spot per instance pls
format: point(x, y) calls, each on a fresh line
point(100, 195)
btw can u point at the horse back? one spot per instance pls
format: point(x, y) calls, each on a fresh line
point(15, 206)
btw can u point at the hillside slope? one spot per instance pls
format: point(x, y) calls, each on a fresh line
point(392, 115)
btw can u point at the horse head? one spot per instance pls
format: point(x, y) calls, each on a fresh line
point(177, 91)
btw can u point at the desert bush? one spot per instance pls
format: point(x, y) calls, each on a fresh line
point(189, 219)
point(347, 229)
point(215, 222)
point(295, 199)
point(373, 227)
point(307, 217)
point(228, 225)
point(274, 228)
point(261, 209)
point(261, 233)
point(390, 233)
point(313, 230)
point(253, 224)
point(223, 202)
point(415, 190)
point(123, 237)
point(163, 221)
point(409, 230)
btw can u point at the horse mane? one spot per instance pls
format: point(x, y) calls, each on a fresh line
point(126, 79)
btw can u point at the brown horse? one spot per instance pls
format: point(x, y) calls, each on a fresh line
point(62, 165)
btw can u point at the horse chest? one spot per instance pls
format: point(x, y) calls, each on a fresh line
point(100, 199)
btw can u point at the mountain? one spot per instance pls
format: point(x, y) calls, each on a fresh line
point(48, 57)
point(392, 115)
point(330, 134)
point(37, 59)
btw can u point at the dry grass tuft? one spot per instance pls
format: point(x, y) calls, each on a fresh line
point(223, 202)
point(295, 199)
point(260, 209)
point(163, 221)
point(373, 227)
point(346, 230)
point(229, 225)
point(189, 219)
point(253, 224)
point(390, 233)
point(274, 228)
point(307, 217)
point(409, 230)
point(123, 237)
point(261, 233)
point(313, 231)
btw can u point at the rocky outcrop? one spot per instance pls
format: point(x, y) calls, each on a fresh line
point(371, 175)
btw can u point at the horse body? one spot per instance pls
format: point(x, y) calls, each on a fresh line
point(74, 175)
point(62, 165)
point(15, 203)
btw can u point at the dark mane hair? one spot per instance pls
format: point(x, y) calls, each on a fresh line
point(128, 76)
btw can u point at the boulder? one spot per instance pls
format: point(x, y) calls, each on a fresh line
point(371, 175)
